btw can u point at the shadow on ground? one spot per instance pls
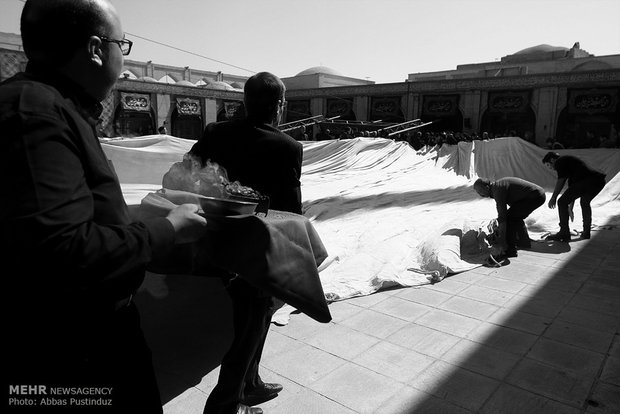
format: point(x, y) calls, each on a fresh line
point(187, 321)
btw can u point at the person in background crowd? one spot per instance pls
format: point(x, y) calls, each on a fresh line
point(515, 200)
point(584, 183)
point(255, 153)
point(72, 257)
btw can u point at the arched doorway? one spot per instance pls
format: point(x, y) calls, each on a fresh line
point(342, 108)
point(297, 109)
point(386, 109)
point(509, 114)
point(443, 111)
point(186, 119)
point(134, 116)
point(589, 116)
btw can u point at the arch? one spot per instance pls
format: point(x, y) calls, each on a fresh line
point(341, 107)
point(184, 82)
point(589, 116)
point(585, 130)
point(521, 124)
point(186, 126)
point(131, 124)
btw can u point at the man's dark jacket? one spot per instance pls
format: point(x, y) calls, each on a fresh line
point(258, 156)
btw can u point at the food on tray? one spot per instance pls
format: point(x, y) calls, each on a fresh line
point(210, 180)
point(236, 189)
point(190, 175)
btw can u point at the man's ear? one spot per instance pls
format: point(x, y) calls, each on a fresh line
point(95, 52)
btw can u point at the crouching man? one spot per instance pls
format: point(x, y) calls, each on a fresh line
point(515, 199)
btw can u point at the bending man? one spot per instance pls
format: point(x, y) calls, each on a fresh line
point(584, 183)
point(515, 199)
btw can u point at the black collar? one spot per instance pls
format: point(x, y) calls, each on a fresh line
point(88, 106)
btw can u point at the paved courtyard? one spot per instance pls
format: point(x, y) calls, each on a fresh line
point(540, 335)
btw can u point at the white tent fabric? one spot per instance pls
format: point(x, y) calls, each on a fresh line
point(389, 215)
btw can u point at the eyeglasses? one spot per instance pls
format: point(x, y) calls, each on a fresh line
point(124, 44)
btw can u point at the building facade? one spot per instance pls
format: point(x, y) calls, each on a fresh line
point(538, 93)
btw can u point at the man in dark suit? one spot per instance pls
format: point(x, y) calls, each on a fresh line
point(72, 257)
point(255, 153)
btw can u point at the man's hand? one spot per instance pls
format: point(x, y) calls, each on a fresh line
point(188, 225)
point(551, 203)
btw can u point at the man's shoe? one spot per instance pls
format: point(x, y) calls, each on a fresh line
point(511, 252)
point(244, 409)
point(585, 234)
point(524, 244)
point(559, 236)
point(266, 392)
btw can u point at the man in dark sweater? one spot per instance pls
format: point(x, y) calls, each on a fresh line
point(515, 199)
point(257, 154)
point(584, 183)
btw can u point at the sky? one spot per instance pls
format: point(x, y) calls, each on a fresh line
point(379, 40)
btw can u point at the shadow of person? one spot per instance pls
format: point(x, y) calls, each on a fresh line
point(549, 247)
point(187, 321)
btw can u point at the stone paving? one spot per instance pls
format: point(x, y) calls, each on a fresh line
point(540, 335)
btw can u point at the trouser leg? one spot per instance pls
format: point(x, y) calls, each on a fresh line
point(517, 213)
point(589, 189)
point(249, 310)
point(252, 378)
point(564, 201)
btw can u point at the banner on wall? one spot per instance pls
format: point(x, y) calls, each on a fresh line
point(136, 101)
point(231, 108)
point(297, 109)
point(383, 108)
point(339, 107)
point(517, 101)
point(592, 101)
point(188, 106)
point(440, 105)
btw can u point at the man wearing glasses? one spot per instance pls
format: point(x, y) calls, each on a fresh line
point(72, 258)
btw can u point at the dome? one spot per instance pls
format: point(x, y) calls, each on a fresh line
point(541, 49)
point(219, 85)
point(184, 82)
point(318, 69)
point(167, 79)
point(148, 79)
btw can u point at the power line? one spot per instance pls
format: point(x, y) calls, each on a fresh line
point(183, 50)
point(188, 52)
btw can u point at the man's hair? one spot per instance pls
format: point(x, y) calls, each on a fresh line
point(481, 183)
point(550, 156)
point(262, 92)
point(52, 30)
